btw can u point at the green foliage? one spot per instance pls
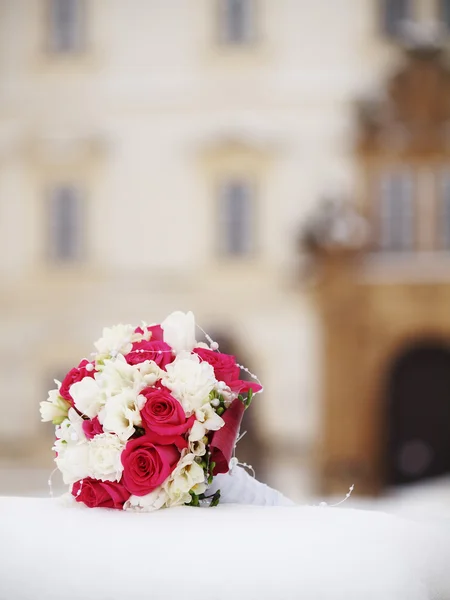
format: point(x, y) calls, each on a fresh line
point(195, 500)
point(215, 499)
point(246, 400)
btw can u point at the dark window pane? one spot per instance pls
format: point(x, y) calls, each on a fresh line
point(394, 13)
point(235, 228)
point(397, 218)
point(65, 224)
point(66, 25)
point(443, 212)
point(444, 10)
point(236, 21)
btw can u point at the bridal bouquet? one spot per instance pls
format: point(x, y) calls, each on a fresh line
point(150, 420)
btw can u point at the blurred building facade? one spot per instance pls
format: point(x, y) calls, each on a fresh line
point(384, 291)
point(164, 154)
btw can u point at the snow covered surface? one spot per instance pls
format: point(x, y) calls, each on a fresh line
point(53, 549)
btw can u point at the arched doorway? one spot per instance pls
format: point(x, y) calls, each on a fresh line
point(418, 440)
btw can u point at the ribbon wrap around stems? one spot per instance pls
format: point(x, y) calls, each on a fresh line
point(223, 441)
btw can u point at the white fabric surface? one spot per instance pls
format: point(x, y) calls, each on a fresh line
point(238, 487)
point(50, 549)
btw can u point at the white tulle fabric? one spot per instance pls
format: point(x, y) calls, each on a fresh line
point(238, 487)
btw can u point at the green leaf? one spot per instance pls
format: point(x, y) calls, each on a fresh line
point(194, 500)
point(220, 410)
point(249, 398)
point(215, 499)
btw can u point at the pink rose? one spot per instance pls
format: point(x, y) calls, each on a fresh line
point(163, 414)
point(224, 365)
point(164, 440)
point(146, 465)
point(155, 330)
point(223, 441)
point(104, 494)
point(74, 375)
point(92, 427)
point(240, 386)
point(159, 352)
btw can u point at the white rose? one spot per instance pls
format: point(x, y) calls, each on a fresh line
point(120, 414)
point(104, 461)
point(190, 380)
point(54, 409)
point(206, 420)
point(179, 331)
point(115, 340)
point(187, 476)
point(153, 501)
point(72, 460)
point(88, 396)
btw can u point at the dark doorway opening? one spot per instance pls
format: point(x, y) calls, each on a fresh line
point(418, 440)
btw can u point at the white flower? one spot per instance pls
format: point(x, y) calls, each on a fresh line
point(190, 380)
point(104, 461)
point(88, 396)
point(179, 331)
point(121, 414)
point(197, 447)
point(206, 420)
point(187, 476)
point(72, 460)
point(153, 501)
point(54, 409)
point(71, 429)
point(226, 393)
point(203, 345)
point(91, 394)
point(115, 340)
point(118, 374)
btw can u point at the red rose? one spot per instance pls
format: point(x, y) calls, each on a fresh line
point(159, 352)
point(224, 365)
point(74, 375)
point(164, 440)
point(223, 441)
point(92, 427)
point(147, 465)
point(104, 494)
point(155, 330)
point(240, 386)
point(163, 414)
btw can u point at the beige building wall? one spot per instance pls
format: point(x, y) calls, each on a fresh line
point(147, 121)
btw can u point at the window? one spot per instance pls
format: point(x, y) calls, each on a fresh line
point(65, 216)
point(395, 12)
point(66, 26)
point(236, 21)
point(444, 12)
point(443, 212)
point(236, 218)
point(397, 218)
